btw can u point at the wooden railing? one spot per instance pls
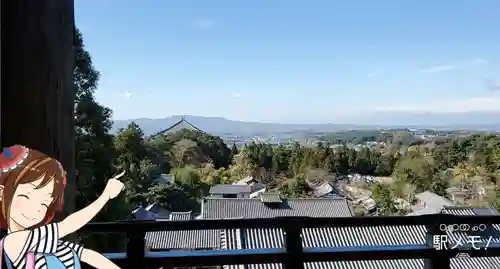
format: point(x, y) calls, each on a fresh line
point(293, 255)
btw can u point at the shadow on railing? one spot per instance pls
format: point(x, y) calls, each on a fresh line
point(293, 254)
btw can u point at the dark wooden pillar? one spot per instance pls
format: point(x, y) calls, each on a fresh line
point(37, 87)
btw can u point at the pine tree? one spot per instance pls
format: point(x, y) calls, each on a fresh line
point(234, 149)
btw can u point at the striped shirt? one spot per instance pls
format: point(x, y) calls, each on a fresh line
point(45, 240)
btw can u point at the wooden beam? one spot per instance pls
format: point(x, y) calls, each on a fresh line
point(37, 86)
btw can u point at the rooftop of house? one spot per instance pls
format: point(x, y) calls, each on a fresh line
point(230, 189)
point(433, 200)
point(178, 240)
point(274, 206)
point(141, 213)
point(164, 178)
point(425, 211)
point(159, 211)
point(246, 180)
point(255, 186)
point(220, 208)
point(455, 210)
point(181, 215)
point(323, 189)
point(214, 208)
point(268, 206)
point(469, 211)
point(352, 237)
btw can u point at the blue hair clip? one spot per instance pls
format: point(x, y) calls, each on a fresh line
point(7, 153)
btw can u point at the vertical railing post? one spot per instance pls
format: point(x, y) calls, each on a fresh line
point(439, 259)
point(136, 248)
point(293, 244)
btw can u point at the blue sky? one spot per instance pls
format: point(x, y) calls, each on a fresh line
point(292, 61)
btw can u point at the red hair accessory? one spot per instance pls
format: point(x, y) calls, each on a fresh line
point(12, 157)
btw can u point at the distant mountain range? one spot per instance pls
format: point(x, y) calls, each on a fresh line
point(486, 121)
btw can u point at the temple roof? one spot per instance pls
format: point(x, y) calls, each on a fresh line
point(181, 124)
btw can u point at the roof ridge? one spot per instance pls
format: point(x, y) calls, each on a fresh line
point(286, 199)
point(223, 198)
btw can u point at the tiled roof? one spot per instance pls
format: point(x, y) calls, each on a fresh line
point(323, 189)
point(425, 211)
point(256, 186)
point(318, 237)
point(270, 198)
point(469, 211)
point(473, 263)
point(244, 181)
point(194, 239)
point(181, 215)
point(230, 189)
point(142, 214)
point(432, 199)
point(332, 237)
point(490, 233)
point(159, 211)
point(323, 237)
point(218, 208)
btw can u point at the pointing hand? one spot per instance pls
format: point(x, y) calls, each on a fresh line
point(114, 186)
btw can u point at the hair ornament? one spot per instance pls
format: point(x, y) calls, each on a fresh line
point(12, 157)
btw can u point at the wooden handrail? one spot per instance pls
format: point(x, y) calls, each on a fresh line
point(293, 255)
point(303, 222)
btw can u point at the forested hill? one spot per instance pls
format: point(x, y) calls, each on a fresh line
point(401, 137)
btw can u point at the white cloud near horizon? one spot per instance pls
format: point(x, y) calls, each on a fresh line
point(492, 85)
point(474, 104)
point(453, 66)
point(203, 23)
point(236, 95)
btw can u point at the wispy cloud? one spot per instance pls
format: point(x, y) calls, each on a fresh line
point(492, 85)
point(204, 23)
point(478, 61)
point(474, 104)
point(236, 95)
point(440, 68)
point(121, 95)
point(453, 66)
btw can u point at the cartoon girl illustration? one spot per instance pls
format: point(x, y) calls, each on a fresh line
point(31, 192)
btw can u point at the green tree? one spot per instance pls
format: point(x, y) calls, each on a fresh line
point(416, 170)
point(297, 187)
point(439, 185)
point(94, 145)
point(190, 179)
point(234, 150)
point(174, 197)
point(132, 157)
point(384, 199)
point(94, 148)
